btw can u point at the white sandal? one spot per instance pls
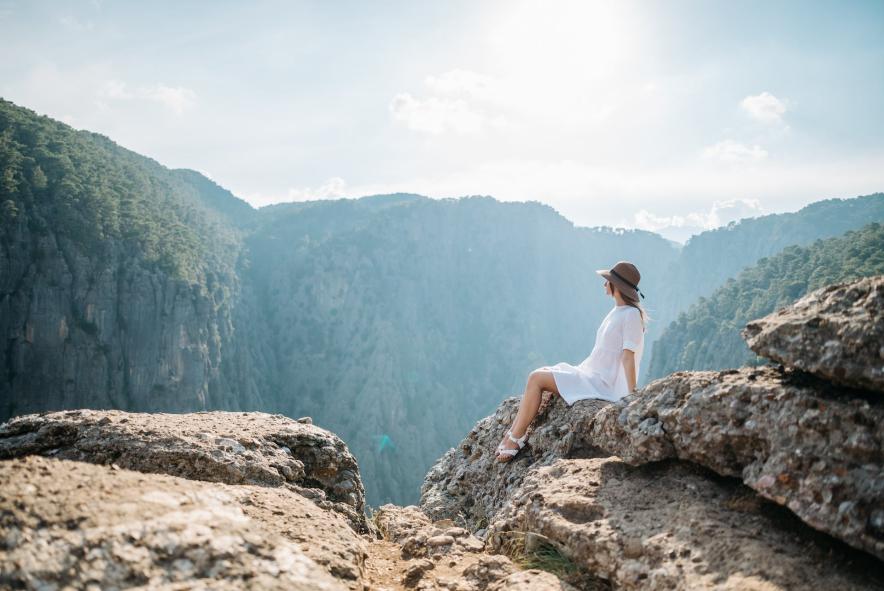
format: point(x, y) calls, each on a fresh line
point(505, 451)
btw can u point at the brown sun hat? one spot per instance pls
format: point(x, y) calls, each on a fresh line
point(626, 277)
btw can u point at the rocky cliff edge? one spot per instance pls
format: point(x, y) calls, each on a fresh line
point(768, 477)
point(763, 478)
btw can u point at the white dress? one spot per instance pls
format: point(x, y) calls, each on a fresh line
point(602, 375)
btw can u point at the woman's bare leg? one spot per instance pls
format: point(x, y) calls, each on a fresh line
point(538, 381)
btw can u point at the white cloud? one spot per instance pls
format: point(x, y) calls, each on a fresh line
point(438, 115)
point(734, 152)
point(176, 99)
point(592, 194)
point(646, 220)
point(720, 214)
point(462, 101)
point(543, 76)
point(724, 212)
point(764, 107)
point(332, 188)
point(114, 89)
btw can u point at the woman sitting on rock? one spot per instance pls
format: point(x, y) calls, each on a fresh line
point(609, 373)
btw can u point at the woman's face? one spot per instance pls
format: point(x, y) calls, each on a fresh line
point(609, 288)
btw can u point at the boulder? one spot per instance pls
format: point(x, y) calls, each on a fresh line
point(468, 485)
point(674, 525)
point(801, 442)
point(230, 447)
point(533, 579)
point(70, 525)
point(836, 333)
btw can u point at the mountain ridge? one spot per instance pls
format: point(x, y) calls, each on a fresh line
point(416, 313)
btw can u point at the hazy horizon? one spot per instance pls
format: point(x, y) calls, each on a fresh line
point(673, 118)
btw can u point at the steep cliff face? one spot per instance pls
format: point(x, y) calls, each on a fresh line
point(108, 333)
point(118, 283)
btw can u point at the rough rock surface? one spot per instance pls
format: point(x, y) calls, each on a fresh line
point(468, 485)
point(835, 332)
point(70, 524)
point(440, 555)
point(229, 447)
point(672, 525)
point(801, 442)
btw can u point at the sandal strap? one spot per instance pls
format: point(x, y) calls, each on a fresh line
point(507, 451)
point(520, 440)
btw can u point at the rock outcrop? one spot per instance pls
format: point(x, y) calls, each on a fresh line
point(836, 332)
point(811, 444)
point(74, 525)
point(220, 500)
point(668, 525)
point(469, 485)
point(749, 478)
point(229, 447)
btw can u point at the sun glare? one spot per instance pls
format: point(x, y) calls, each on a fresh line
point(566, 41)
point(562, 61)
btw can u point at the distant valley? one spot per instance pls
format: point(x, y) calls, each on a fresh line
point(395, 321)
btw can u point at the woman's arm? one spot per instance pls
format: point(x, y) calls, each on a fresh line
point(633, 337)
point(629, 366)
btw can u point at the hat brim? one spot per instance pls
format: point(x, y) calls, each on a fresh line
point(626, 290)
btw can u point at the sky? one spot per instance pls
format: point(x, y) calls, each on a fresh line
point(673, 116)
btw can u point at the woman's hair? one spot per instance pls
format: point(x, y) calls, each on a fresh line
point(635, 304)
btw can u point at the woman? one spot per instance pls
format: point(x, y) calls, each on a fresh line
point(609, 373)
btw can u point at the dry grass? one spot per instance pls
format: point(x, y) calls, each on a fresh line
point(545, 555)
point(744, 502)
point(372, 516)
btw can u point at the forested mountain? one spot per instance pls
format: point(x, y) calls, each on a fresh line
point(707, 336)
point(117, 281)
point(396, 321)
point(710, 258)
